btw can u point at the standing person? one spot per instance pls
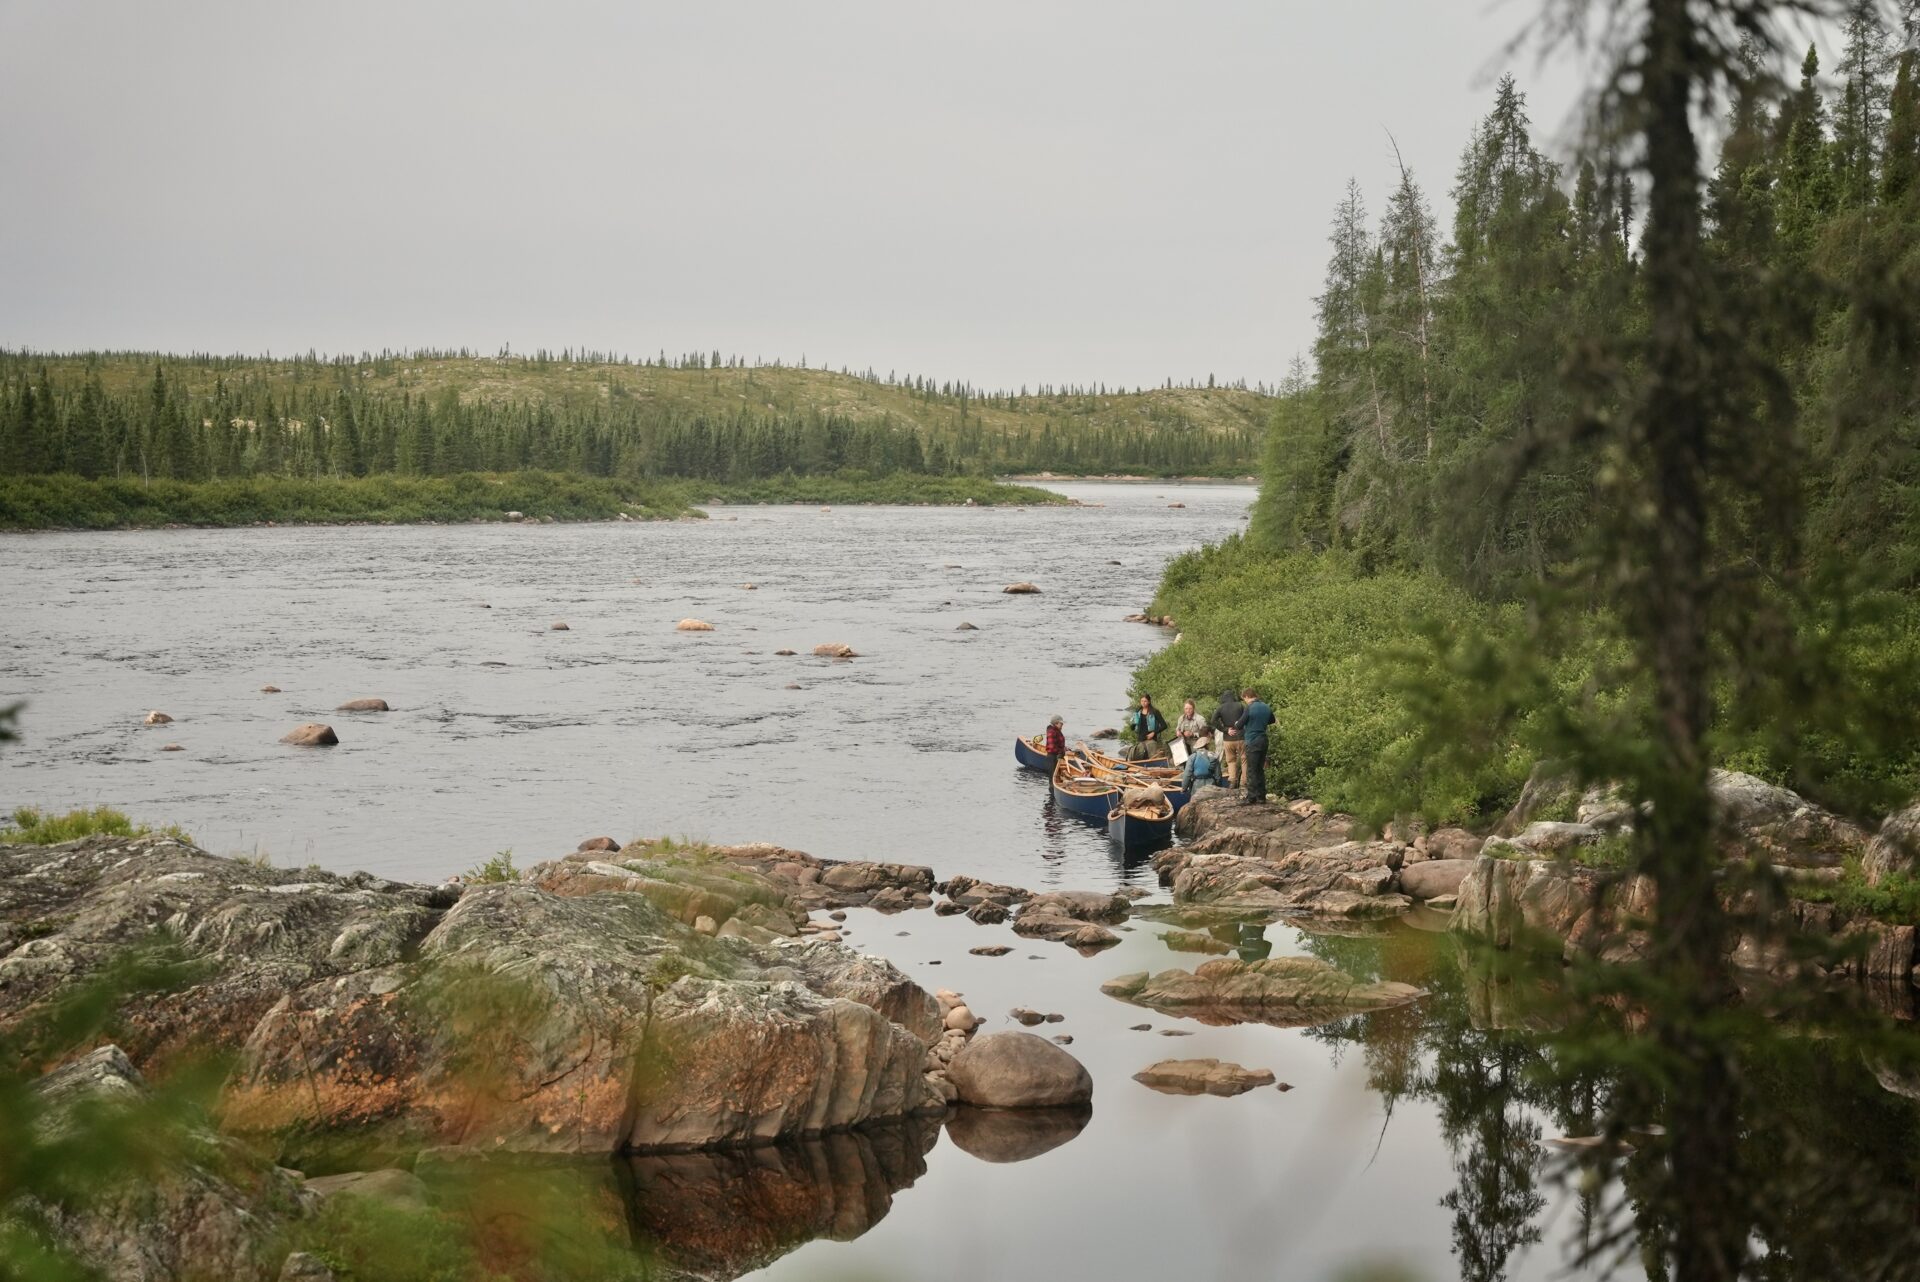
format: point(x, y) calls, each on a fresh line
point(1255, 717)
point(1233, 749)
point(1201, 765)
point(1148, 727)
point(1191, 725)
point(1056, 743)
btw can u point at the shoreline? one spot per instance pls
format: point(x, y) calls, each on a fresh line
point(68, 504)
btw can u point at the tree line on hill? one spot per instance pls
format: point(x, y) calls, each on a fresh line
point(205, 418)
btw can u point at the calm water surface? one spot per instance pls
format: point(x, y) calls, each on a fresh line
point(1408, 1141)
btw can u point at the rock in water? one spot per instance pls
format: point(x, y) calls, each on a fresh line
point(364, 705)
point(599, 843)
point(156, 718)
point(784, 653)
point(1288, 992)
point(835, 650)
point(269, 689)
point(1019, 1070)
point(693, 625)
point(1020, 589)
point(172, 747)
point(1202, 1077)
point(313, 734)
point(966, 627)
point(558, 625)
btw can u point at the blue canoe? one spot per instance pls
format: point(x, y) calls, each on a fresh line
point(1136, 830)
point(1091, 799)
point(1030, 757)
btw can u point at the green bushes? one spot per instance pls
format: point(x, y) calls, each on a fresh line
point(30, 827)
point(1318, 641)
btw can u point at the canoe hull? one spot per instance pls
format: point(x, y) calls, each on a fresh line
point(1094, 806)
point(1030, 757)
point(1136, 832)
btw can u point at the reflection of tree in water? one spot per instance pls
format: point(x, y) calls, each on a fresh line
point(1834, 1153)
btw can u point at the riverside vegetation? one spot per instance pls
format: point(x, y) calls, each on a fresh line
point(110, 439)
point(1584, 503)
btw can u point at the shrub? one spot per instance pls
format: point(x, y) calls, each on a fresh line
point(498, 868)
point(28, 826)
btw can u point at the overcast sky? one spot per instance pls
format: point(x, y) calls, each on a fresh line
point(1038, 191)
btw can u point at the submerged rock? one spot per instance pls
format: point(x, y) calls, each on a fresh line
point(1202, 1077)
point(1019, 1070)
point(693, 625)
point(156, 718)
point(313, 734)
point(364, 705)
point(835, 650)
point(1284, 991)
point(1020, 589)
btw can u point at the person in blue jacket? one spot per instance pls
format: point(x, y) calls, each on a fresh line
point(1255, 719)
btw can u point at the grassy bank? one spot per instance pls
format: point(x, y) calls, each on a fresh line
point(71, 503)
point(68, 502)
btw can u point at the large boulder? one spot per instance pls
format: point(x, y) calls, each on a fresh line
point(1508, 901)
point(1240, 827)
point(1353, 879)
point(1895, 848)
point(211, 1209)
point(544, 1023)
point(1432, 878)
point(1759, 820)
point(503, 1016)
point(1019, 1070)
point(1288, 992)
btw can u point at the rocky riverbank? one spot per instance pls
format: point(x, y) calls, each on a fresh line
point(1552, 880)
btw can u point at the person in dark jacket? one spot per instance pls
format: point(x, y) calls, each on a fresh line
point(1149, 730)
point(1232, 748)
point(1255, 718)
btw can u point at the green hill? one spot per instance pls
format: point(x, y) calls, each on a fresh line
point(702, 416)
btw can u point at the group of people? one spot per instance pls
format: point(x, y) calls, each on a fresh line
point(1229, 748)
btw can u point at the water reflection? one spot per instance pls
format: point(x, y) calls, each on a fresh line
point(1006, 1135)
point(726, 1213)
point(1517, 1062)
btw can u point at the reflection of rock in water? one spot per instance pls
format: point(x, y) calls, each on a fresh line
point(723, 1213)
point(1014, 1134)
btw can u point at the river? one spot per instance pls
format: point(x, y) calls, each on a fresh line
point(1409, 1141)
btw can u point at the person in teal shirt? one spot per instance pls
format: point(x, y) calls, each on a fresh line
point(1255, 718)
